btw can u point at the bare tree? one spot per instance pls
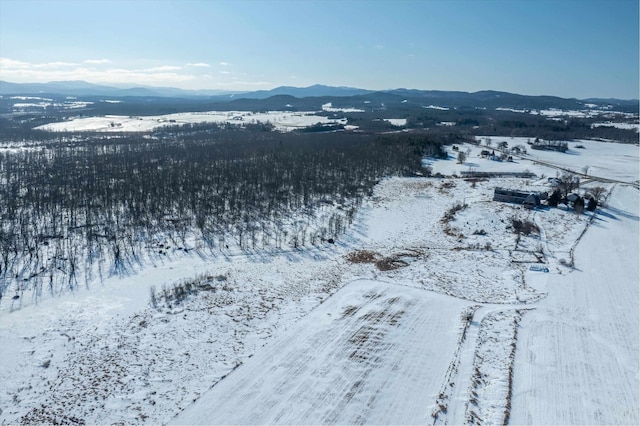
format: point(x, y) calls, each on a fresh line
point(567, 182)
point(462, 157)
point(597, 193)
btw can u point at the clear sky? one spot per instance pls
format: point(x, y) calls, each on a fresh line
point(569, 48)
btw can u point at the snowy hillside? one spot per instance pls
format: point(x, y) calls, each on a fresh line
point(431, 309)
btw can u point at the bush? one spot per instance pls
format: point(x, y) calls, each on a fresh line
point(578, 205)
point(525, 227)
point(390, 264)
point(363, 256)
point(450, 214)
point(554, 198)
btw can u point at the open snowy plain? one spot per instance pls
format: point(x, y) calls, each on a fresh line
point(282, 121)
point(421, 313)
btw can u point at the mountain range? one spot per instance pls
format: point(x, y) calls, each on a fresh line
point(452, 99)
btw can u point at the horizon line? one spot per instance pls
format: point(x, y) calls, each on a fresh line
point(128, 86)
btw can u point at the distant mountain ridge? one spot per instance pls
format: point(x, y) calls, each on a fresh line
point(83, 88)
point(317, 90)
point(440, 98)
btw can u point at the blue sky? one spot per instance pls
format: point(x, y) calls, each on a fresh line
point(569, 48)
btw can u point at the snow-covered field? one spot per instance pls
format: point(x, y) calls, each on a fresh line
point(631, 126)
point(283, 121)
point(370, 354)
point(418, 315)
point(44, 103)
point(397, 121)
point(330, 108)
point(608, 160)
point(577, 354)
point(591, 112)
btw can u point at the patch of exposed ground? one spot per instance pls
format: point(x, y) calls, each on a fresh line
point(386, 263)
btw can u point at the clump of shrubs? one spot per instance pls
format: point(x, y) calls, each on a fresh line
point(525, 226)
point(173, 295)
point(450, 214)
point(389, 263)
point(363, 256)
point(446, 185)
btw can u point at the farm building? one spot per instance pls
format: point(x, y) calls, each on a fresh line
point(474, 174)
point(560, 146)
point(527, 199)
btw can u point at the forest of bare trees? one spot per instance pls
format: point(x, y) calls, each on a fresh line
point(78, 207)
